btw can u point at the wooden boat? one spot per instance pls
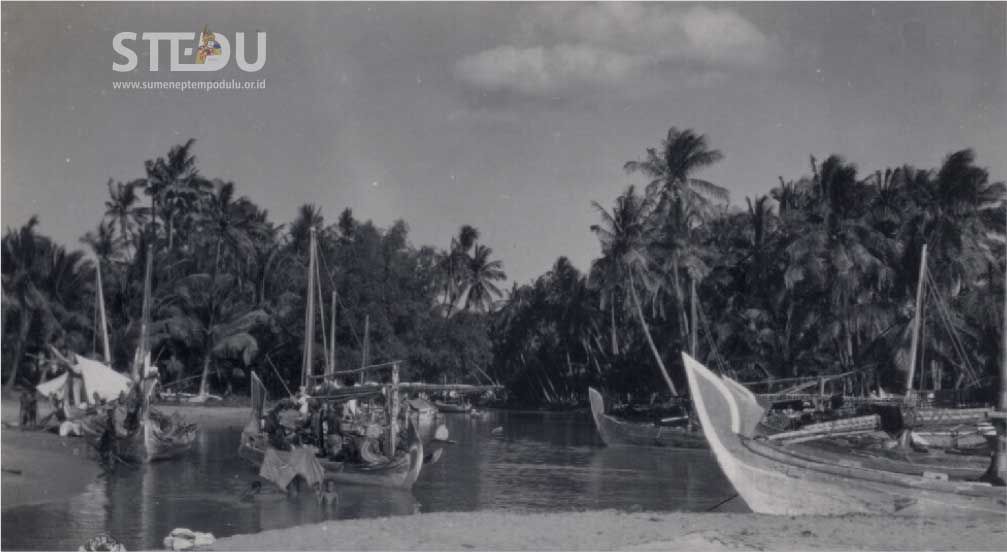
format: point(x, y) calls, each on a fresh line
point(165, 437)
point(616, 432)
point(774, 478)
point(453, 407)
point(400, 472)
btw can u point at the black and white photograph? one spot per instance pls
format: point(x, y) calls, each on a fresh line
point(503, 276)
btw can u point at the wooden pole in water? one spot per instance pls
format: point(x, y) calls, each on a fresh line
point(309, 313)
point(914, 348)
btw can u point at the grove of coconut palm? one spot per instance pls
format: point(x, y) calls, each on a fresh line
point(229, 288)
point(816, 277)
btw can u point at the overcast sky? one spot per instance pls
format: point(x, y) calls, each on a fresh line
point(509, 117)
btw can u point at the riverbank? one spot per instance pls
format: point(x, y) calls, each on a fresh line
point(610, 530)
point(40, 466)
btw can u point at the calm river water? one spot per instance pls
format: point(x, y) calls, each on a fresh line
point(541, 462)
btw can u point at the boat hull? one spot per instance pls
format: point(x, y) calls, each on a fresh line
point(399, 473)
point(158, 446)
point(616, 432)
point(775, 480)
point(451, 408)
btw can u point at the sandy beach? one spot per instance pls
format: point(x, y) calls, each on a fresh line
point(609, 530)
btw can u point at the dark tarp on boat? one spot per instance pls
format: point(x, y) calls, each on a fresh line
point(281, 467)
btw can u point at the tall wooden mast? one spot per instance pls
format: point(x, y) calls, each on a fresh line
point(101, 316)
point(309, 314)
point(998, 467)
point(331, 366)
point(141, 350)
point(914, 348)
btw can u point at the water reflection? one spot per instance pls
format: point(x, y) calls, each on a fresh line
point(539, 462)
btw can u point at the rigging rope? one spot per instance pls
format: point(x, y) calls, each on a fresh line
point(943, 311)
point(339, 300)
point(708, 335)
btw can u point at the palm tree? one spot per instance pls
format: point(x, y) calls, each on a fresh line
point(45, 285)
point(207, 316)
point(122, 213)
point(957, 217)
point(671, 168)
point(627, 235)
point(480, 290)
point(454, 267)
point(308, 216)
point(682, 199)
point(102, 241)
point(22, 252)
point(841, 255)
point(227, 223)
point(175, 187)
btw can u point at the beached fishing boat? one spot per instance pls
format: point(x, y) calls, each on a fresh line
point(797, 479)
point(618, 432)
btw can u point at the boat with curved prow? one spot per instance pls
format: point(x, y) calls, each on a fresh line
point(617, 432)
point(774, 478)
point(399, 472)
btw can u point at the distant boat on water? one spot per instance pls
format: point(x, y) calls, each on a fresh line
point(619, 432)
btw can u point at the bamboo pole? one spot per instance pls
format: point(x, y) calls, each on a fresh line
point(914, 348)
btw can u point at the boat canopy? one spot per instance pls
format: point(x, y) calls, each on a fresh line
point(98, 378)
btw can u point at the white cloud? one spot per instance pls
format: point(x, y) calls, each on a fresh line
point(545, 70)
point(565, 47)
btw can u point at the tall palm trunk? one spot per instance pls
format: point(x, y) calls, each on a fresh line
point(22, 336)
point(204, 380)
point(683, 321)
point(650, 340)
point(615, 338)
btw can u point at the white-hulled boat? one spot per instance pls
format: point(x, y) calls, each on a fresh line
point(775, 478)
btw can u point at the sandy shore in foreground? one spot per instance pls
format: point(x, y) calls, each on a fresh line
point(609, 530)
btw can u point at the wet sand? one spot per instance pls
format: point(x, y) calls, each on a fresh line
point(609, 530)
point(40, 467)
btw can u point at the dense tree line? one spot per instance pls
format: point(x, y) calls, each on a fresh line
point(229, 288)
point(817, 277)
